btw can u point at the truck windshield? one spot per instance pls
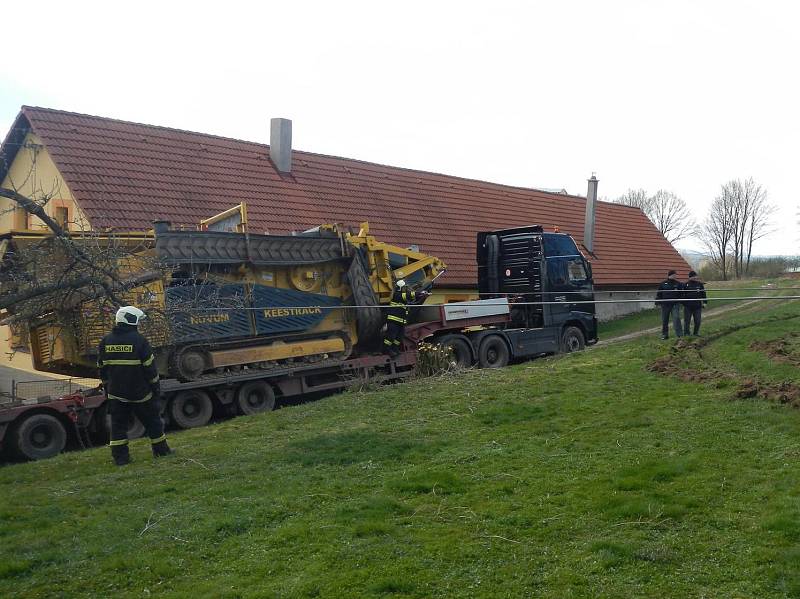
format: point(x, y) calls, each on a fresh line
point(556, 244)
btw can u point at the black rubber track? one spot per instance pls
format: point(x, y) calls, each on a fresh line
point(369, 321)
point(180, 247)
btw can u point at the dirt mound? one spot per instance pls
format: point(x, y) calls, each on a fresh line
point(784, 350)
point(667, 365)
point(785, 392)
point(686, 362)
point(747, 388)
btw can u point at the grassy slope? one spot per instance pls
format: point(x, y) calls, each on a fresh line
point(572, 477)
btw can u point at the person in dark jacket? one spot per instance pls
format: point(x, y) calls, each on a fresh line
point(397, 317)
point(130, 379)
point(694, 298)
point(668, 297)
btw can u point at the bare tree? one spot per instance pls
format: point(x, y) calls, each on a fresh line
point(757, 223)
point(665, 210)
point(671, 216)
point(717, 232)
point(637, 198)
point(739, 216)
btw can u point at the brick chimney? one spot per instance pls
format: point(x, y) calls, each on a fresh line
point(280, 144)
point(589, 220)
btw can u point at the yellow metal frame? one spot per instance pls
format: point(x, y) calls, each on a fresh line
point(241, 209)
point(275, 351)
point(382, 276)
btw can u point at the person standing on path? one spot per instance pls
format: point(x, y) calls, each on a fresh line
point(694, 297)
point(668, 297)
point(130, 379)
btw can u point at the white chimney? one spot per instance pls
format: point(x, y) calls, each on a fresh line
point(280, 144)
point(589, 220)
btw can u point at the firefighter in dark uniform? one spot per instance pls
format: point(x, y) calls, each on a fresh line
point(397, 317)
point(129, 375)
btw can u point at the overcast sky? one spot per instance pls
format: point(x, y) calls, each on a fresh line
point(676, 95)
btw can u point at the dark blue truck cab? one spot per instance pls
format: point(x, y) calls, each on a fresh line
point(541, 287)
point(548, 283)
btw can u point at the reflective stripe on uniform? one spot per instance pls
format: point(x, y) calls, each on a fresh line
point(144, 399)
point(116, 442)
point(396, 342)
point(122, 362)
point(149, 360)
point(387, 342)
point(159, 439)
point(154, 381)
point(396, 319)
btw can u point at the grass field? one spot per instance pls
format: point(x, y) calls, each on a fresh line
point(581, 476)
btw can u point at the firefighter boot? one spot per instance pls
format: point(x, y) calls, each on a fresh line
point(161, 449)
point(120, 454)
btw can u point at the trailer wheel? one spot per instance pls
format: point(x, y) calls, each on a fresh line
point(493, 352)
point(255, 397)
point(39, 436)
point(461, 349)
point(190, 409)
point(572, 340)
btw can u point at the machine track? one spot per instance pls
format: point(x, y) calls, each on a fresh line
point(206, 247)
point(369, 321)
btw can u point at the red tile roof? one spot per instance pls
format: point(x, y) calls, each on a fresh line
point(125, 175)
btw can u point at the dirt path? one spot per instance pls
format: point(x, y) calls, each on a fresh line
point(707, 315)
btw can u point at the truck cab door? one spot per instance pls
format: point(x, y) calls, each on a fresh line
point(579, 277)
point(569, 284)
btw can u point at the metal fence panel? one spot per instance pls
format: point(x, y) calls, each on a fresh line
point(49, 389)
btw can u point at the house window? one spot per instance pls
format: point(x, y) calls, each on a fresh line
point(20, 340)
point(61, 216)
point(20, 219)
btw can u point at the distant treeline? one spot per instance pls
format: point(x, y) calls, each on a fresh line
point(759, 268)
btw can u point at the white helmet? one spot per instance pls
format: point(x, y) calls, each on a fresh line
point(400, 283)
point(130, 315)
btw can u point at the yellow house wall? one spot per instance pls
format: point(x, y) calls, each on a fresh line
point(33, 174)
point(445, 296)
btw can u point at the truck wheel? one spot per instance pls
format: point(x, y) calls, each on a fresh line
point(190, 409)
point(493, 352)
point(460, 348)
point(255, 397)
point(99, 426)
point(572, 340)
point(39, 436)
